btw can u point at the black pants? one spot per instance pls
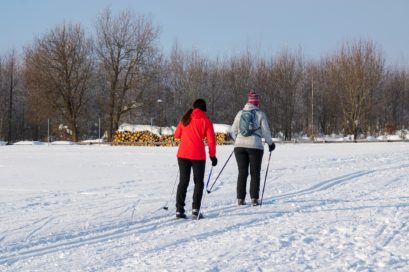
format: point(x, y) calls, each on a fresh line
point(246, 157)
point(185, 165)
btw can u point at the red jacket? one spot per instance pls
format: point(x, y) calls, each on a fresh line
point(191, 137)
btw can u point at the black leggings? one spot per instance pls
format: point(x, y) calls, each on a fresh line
point(185, 165)
point(246, 157)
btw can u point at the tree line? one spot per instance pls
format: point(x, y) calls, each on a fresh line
point(70, 81)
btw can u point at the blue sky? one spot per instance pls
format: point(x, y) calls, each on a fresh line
point(227, 27)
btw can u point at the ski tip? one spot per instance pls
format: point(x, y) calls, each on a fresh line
point(208, 191)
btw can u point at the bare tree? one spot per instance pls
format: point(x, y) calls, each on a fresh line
point(322, 108)
point(390, 110)
point(3, 100)
point(287, 76)
point(192, 69)
point(58, 72)
point(405, 101)
point(264, 84)
point(356, 72)
point(11, 66)
point(215, 93)
point(9, 80)
point(239, 79)
point(128, 59)
point(188, 78)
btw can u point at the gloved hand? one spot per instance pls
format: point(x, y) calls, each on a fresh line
point(214, 161)
point(271, 147)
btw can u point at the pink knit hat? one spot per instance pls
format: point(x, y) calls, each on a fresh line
point(253, 98)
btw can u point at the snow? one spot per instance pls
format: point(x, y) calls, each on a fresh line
point(168, 130)
point(63, 143)
point(95, 141)
point(390, 138)
point(154, 129)
point(3, 143)
point(327, 207)
point(222, 128)
point(28, 143)
point(371, 138)
point(394, 138)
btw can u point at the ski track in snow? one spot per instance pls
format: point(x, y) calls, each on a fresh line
point(344, 210)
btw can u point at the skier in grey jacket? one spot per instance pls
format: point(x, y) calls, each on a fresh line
point(248, 146)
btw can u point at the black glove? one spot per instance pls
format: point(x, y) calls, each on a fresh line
point(214, 161)
point(271, 147)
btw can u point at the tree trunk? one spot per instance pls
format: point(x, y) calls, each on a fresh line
point(74, 129)
point(111, 116)
point(10, 102)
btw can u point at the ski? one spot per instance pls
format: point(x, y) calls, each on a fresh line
point(200, 217)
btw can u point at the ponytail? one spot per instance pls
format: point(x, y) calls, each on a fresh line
point(187, 117)
point(198, 104)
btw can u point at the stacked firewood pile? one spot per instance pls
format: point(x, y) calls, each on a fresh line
point(169, 140)
point(148, 138)
point(222, 138)
point(135, 138)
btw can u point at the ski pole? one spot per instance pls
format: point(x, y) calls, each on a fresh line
point(207, 183)
point(173, 189)
point(214, 182)
point(210, 174)
point(265, 179)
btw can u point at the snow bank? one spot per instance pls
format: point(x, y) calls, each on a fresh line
point(381, 138)
point(28, 143)
point(371, 138)
point(63, 143)
point(2, 143)
point(153, 129)
point(327, 138)
point(135, 128)
point(222, 128)
point(168, 130)
point(95, 141)
point(394, 138)
point(390, 138)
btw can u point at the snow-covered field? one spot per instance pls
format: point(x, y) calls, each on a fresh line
point(328, 207)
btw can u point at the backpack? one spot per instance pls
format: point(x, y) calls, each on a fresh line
point(247, 125)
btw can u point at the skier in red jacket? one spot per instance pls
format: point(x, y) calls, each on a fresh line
point(191, 130)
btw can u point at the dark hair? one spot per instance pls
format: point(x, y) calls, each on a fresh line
point(198, 104)
point(186, 117)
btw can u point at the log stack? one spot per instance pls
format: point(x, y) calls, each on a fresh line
point(148, 138)
point(135, 138)
point(222, 138)
point(169, 140)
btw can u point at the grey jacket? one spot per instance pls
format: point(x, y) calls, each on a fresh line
point(253, 141)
